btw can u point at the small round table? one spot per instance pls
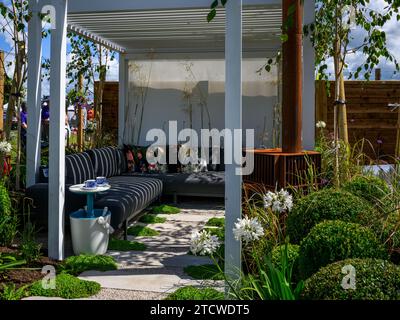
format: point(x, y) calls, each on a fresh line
point(79, 189)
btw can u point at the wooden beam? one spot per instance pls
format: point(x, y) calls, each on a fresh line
point(233, 121)
point(34, 95)
point(292, 77)
point(57, 132)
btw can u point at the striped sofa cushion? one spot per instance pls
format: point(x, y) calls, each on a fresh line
point(79, 168)
point(105, 161)
point(121, 159)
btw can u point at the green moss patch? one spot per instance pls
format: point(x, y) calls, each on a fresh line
point(193, 293)
point(77, 264)
point(216, 222)
point(166, 209)
point(125, 245)
point(141, 231)
point(67, 287)
point(204, 272)
point(152, 218)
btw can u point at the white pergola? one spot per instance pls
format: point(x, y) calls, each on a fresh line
point(169, 27)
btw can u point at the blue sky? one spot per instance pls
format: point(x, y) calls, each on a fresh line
point(392, 29)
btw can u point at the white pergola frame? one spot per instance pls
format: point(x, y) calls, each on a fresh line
point(233, 98)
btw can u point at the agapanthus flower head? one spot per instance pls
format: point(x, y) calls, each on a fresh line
point(321, 125)
point(278, 201)
point(203, 243)
point(5, 147)
point(248, 230)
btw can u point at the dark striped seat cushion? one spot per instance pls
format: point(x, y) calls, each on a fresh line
point(78, 168)
point(128, 196)
point(105, 161)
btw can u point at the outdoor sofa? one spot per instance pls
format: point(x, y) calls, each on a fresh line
point(130, 193)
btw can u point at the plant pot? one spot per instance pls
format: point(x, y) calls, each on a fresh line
point(90, 235)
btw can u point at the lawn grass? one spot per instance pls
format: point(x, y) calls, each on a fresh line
point(193, 293)
point(152, 218)
point(165, 209)
point(125, 245)
point(216, 222)
point(77, 264)
point(67, 287)
point(204, 272)
point(141, 231)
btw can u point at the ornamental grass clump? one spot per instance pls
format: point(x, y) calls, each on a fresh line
point(331, 241)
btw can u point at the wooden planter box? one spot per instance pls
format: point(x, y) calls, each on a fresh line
point(274, 169)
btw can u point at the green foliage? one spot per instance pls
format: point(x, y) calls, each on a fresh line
point(278, 255)
point(141, 231)
point(204, 272)
point(5, 201)
point(216, 222)
point(328, 204)
point(151, 218)
point(8, 261)
point(219, 232)
point(332, 241)
point(369, 187)
point(193, 293)
point(391, 235)
point(165, 209)
point(75, 265)
point(125, 245)
point(375, 280)
point(8, 220)
point(10, 292)
point(67, 287)
point(30, 249)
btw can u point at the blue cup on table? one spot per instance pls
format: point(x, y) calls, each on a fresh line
point(100, 181)
point(90, 184)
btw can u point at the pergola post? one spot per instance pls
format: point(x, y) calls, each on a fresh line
point(34, 95)
point(233, 121)
point(122, 101)
point(57, 131)
point(309, 80)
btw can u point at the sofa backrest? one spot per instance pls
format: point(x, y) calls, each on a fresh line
point(106, 162)
point(78, 168)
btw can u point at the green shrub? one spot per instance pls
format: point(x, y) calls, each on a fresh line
point(8, 220)
point(151, 218)
point(369, 187)
point(219, 232)
point(141, 231)
point(10, 292)
point(77, 264)
point(216, 222)
point(328, 204)
point(374, 280)
point(391, 235)
point(292, 254)
point(331, 241)
point(166, 209)
point(204, 272)
point(125, 245)
point(67, 287)
point(193, 293)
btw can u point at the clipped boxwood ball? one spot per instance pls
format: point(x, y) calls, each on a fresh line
point(370, 188)
point(328, 204)
point(391, 235)
point(331, 241)
point(374, 280)
point(279, 251)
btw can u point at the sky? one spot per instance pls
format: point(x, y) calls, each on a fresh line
point(392, 30)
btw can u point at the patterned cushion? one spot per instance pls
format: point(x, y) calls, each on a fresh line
point(105, 161)
point(79, 168)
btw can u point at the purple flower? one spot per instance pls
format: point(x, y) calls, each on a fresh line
point(379, 141)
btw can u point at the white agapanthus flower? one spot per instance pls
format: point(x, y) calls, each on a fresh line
point(279, 201)
point(203, 243)
point(248, 230)
point(321, 125)
point(5, 147)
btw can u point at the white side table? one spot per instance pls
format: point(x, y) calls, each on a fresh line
point(80, 189)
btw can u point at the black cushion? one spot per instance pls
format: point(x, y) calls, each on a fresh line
point(78, 168)
point(128, 196)
point(104, 161)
